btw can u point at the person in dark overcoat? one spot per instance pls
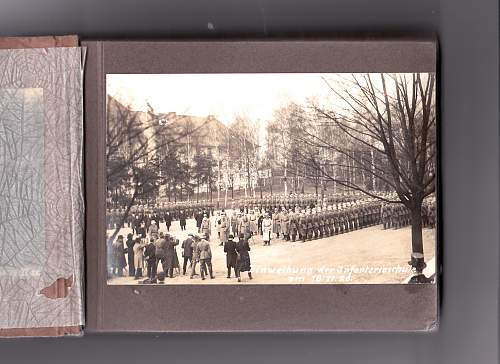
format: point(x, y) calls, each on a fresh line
point(196, 257)
point(259, 223)
point(199, 219)
point(182, 220)
point(119, 261)
point(177, 264)
point(243, 257)
point(205, 254)
point(160, 251)
point(170, 255)
point(141, 231)
point(187, 253)
point(150, 255)
point(130, 255)
point(293, 226)
point(231, 255)
point(168, 220)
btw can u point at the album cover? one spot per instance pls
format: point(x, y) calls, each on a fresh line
point(41, 186)
point(262, 186)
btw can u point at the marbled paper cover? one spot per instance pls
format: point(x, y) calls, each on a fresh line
point(41, 188)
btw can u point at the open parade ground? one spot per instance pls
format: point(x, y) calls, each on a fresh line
point(370, 255)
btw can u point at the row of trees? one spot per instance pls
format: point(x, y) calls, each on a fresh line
point(373, 133)
point(177, 157)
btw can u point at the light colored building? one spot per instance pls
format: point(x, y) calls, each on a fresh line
point(230, 149)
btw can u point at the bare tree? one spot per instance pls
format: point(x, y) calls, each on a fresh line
point(204, 165)
point(243, 141)
point(142, 153)
point(382, 126)
point(283, 148)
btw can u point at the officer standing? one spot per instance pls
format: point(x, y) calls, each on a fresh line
point(205, 254)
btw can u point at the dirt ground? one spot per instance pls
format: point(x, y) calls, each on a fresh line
point(370, 255)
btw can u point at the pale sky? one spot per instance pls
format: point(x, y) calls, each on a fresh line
point(222, 95)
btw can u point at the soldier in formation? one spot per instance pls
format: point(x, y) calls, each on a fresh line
point(294, 218)
point(396, 215)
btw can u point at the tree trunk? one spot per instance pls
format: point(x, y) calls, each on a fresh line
point(198, 188)
point(316, 183)
point(210, 189)
point(417, 245)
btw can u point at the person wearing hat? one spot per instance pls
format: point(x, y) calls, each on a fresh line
point(223, 228)
point(285, 224)
point(168, 219)
point(118, 255)
point(182, 220)
point(243, 257)
point(160, 251)
point(196, 256)
point(259, 223)
point(187, 253)
point(139, 256)
point(310, 227)
point(130, 255)
point(150, 253)
point(205, 254)
point(231, 255)
point(136, 222)
point(276, 223)
point(244, 227)
point(267, 229)
point(234, 223)
point(302, 226)
point(141, 231)
point(315, 223)
point(253, 222)
point(199, 218)
point(171, 260)
point(217, 223)
point(293, 226)
point(205, 225)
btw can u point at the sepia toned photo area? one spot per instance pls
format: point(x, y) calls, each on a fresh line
point(271, 178)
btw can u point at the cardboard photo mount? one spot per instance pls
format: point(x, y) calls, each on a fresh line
point(240, 308)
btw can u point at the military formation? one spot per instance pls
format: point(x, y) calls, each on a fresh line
point(306, 223)
point(395, 216)
point(179, 211)
point(293, 218)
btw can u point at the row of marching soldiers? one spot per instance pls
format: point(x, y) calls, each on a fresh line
point(395, 216)
point(294, 224)
point(180, 211)
point(316, 222)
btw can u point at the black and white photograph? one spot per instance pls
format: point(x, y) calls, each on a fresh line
point(271, 178)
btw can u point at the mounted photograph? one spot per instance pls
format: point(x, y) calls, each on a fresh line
point(271, 178)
